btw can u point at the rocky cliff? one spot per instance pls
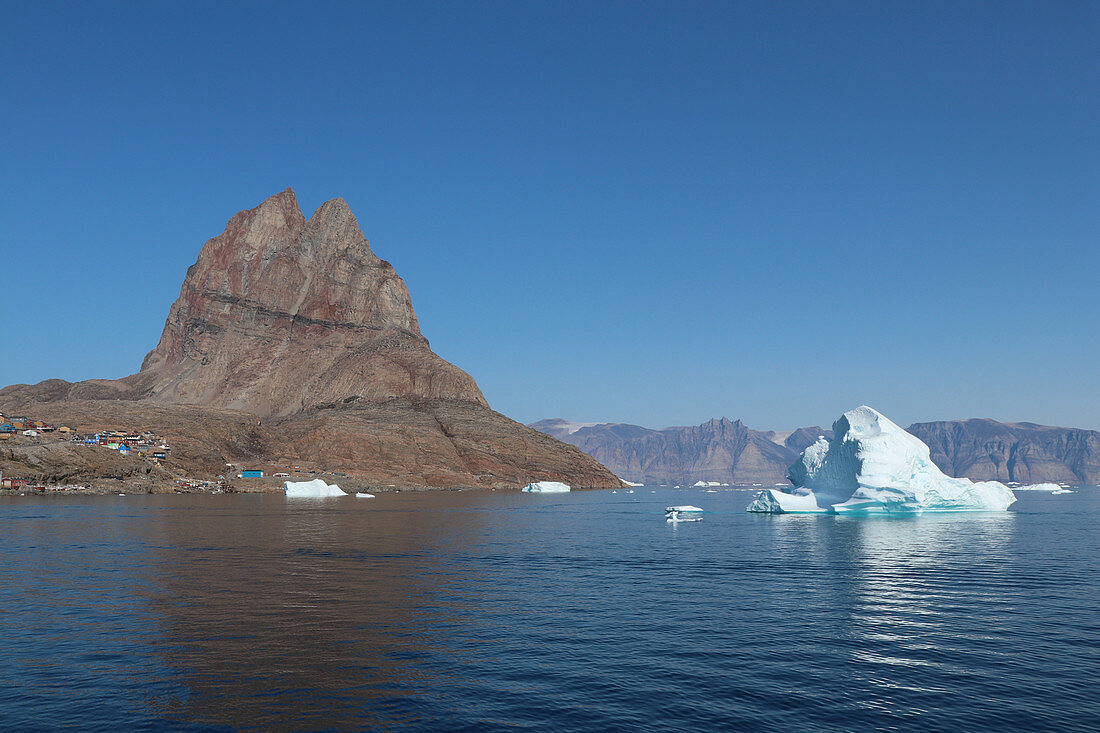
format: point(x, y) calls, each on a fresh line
point(983, 450)
point(280, 314)
point(297, 322)
point(730, 452)
point(719, 450)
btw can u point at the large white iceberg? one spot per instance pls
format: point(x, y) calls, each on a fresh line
point(546, 487)
point(315, 489)
point(872, 466)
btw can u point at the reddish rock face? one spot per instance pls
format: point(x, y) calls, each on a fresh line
point(281, 313)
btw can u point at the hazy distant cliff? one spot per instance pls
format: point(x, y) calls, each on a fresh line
point(985, 449)
point(721, 450)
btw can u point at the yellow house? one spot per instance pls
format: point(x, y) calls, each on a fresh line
point(64, 429)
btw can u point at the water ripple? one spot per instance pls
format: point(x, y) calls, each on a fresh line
point(488, 611)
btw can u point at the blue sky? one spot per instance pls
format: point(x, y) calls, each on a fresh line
point(644, 212)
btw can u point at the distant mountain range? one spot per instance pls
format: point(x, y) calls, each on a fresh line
point(730, 452)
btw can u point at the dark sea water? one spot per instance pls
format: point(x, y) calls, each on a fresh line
point(578, 612)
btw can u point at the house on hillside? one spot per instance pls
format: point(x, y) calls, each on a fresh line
point(31, 433)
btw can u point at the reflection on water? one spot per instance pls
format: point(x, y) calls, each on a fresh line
point(322, 601)
point(922, 582)
point(577, 612)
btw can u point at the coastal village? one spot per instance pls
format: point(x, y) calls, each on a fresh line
point(137, 443)
point(17, 428)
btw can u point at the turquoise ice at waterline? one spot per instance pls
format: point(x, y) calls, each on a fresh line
point(873, 466)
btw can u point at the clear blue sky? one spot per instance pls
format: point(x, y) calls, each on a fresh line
point(645, 212)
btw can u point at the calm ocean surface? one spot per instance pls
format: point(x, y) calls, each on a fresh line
point(586, 611)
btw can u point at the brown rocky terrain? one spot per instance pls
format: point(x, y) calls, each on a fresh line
point(61, 462)
point(291, 341)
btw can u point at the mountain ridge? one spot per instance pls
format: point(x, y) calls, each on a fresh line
point(730, 452)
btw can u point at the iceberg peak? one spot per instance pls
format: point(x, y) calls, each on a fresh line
point(873, 466)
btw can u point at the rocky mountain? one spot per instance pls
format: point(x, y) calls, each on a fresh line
point(719, 450)
point(730, 452)
point(984, 449)
point(298, 323)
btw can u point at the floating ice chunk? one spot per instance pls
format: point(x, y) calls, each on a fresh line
point(773, 501)
point(363, 495)
point(872, 466)
point(629, 483)
point(1051, 488)
point(684, 513)
point(546, 487)
point(1038, 487)
point(705, 484)
point(315, 489)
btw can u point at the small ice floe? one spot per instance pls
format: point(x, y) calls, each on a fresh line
point(683, 513)
point(711, 491)
point(546, 487)
point(628, 483)
point(1048, 488)
point(315, 489)
point(363, 495)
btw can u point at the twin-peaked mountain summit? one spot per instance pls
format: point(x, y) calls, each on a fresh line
point(298, 322)
point(281, 313)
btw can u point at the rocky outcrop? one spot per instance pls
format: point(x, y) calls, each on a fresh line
point(719, 450)
point(281, 314)
point(985, 450)
point(297, 322)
